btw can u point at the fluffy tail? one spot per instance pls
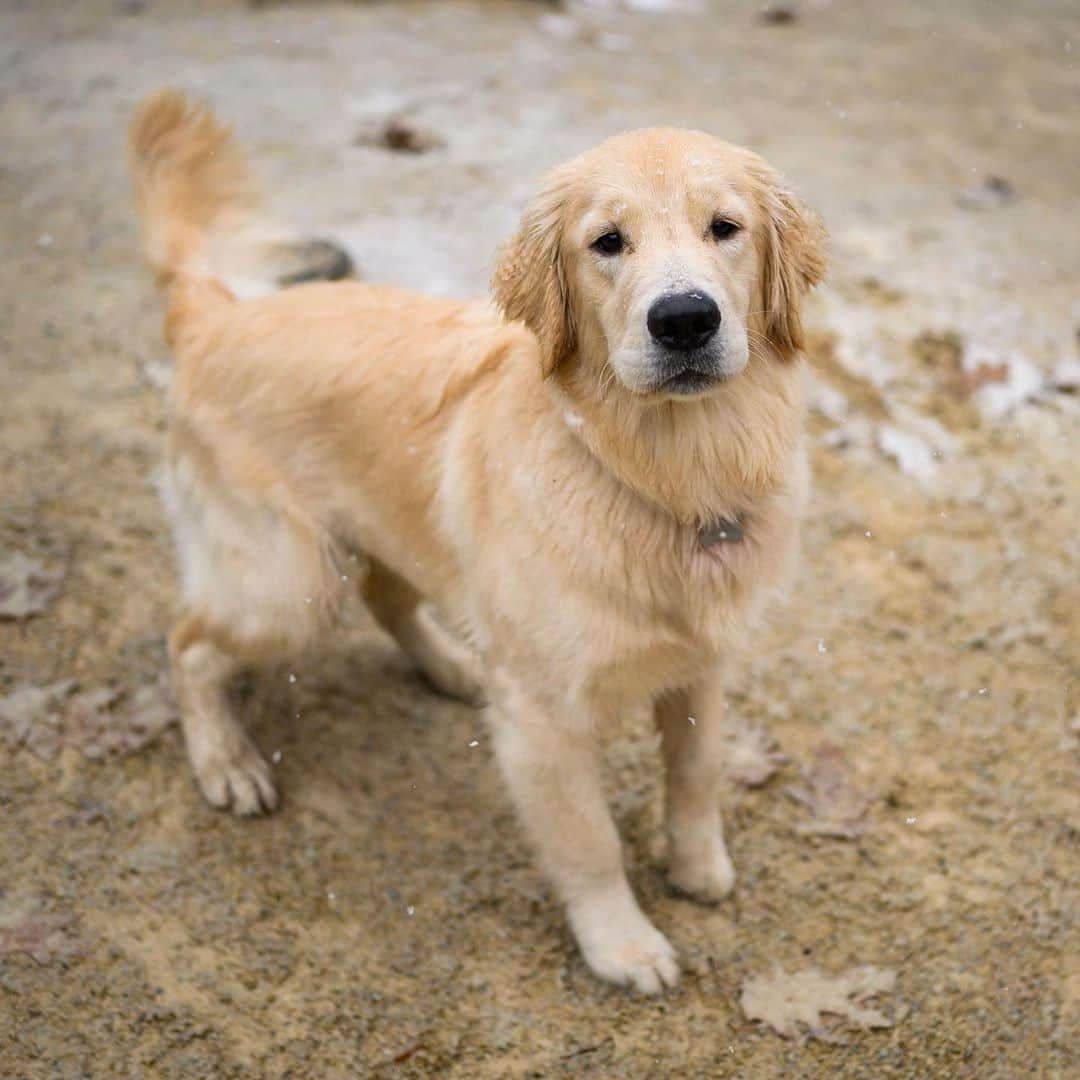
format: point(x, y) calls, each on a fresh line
point(191, 182)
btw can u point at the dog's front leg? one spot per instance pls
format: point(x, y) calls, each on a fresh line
point(551, 767)
point(692, 738)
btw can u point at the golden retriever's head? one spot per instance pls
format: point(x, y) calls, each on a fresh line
point(667, 256)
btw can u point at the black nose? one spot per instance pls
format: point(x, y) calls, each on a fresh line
point(684, 321)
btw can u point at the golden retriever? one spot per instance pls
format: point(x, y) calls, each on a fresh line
point(573, 502)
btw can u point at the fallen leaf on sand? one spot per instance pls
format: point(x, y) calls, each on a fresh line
point(828, 791)
point(95, 722)
point(753, 755)
point(109, 721)
point(1015, 380)
point(24, 928)
point(31, 717)
point(400, 135)
point(965, 383)
point(778, 14)
point(26, 586)
point(796, 1005)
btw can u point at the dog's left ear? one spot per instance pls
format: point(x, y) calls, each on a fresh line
point(794, 262)
point(529, 283)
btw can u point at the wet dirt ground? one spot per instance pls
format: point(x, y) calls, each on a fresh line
point(389, 921)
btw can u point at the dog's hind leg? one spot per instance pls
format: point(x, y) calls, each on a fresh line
point(260, 582)
point(449, 665)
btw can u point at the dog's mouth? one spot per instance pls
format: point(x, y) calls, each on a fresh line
point(691, 374)
point(688, 375)
point(671, 374)
point(688, 382)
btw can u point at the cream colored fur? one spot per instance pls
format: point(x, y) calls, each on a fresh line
point(504, 467)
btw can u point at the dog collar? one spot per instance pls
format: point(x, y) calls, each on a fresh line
point(724, 531)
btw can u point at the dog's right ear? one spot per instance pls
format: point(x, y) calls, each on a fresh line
point(530, 282)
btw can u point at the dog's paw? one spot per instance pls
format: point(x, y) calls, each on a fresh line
point(240, 780)
point(626, 949)
point(707, 875)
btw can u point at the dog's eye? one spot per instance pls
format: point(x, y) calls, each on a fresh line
point(611, 243)
point(723, 230)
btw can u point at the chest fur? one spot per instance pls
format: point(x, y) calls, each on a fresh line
point(654, 608)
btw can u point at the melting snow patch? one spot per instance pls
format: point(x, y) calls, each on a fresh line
point(827, 401)
point(856, 432)
point(649, 6)
point(1066, 376)
point(911, 453)
point(919, 445)
point(158, 373)
point(862, 343)
point(795, 1005)
point(560, 26)
point(1021, 382)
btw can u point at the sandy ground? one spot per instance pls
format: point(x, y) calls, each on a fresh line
point(388, 921)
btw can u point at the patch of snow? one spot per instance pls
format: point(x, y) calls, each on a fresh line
point(911, 453)
point(857, 431)
point(614, 42)
point(1066, 376)
point(827, 401)
point(650, 7)
point(862, 338)
point(158, 373)
point(996, 400)
point(922, 448)
point(560, 26)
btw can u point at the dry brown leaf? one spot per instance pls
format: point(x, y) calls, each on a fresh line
point(31, 717)
point(95, 722)
point(828, 791)
point(109, 721)
point(965, 383)
point(753, 755)
point(24, 928)
point(795, 1005)
point(400, 135)
point(26, 586)
point(778, 14)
